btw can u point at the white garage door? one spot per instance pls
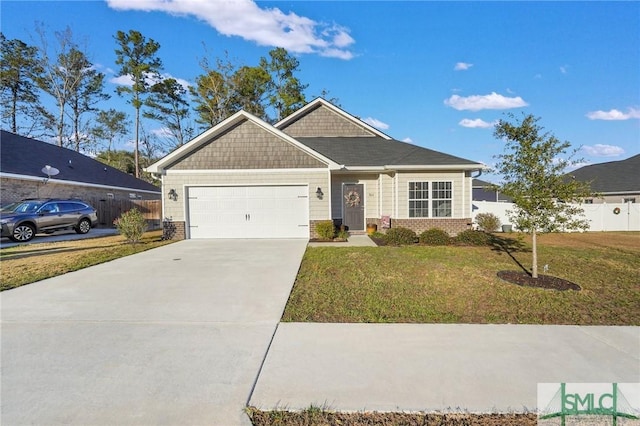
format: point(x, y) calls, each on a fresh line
point(248, 212)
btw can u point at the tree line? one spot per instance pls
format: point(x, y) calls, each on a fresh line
point(59, 67)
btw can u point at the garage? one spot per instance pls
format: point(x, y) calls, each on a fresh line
point(276, 211)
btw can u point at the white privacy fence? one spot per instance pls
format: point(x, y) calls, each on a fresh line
point(602, 217)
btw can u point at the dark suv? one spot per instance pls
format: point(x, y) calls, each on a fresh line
point(33, 216)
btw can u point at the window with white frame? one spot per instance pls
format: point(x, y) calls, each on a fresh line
point(442, 199)
point(418, 199)
point(430, 199)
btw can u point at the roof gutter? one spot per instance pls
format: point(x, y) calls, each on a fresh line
point(438, 167)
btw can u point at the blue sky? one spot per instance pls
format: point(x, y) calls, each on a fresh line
point(437, 74)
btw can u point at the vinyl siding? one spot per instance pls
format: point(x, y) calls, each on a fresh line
point(175, 210)
point(461, 192)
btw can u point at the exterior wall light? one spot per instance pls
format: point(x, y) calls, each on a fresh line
point(319, 193)
point(173, 195)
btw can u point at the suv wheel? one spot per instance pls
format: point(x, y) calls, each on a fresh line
point(23, 233)
point(83, 227)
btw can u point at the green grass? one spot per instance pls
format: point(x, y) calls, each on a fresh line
point(26, 264)
point(421, 284)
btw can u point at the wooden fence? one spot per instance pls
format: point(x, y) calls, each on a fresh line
point(109, 210)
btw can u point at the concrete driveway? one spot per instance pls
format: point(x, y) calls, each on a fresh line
point(175, 335)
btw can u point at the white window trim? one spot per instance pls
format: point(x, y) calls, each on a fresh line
point(430, 199)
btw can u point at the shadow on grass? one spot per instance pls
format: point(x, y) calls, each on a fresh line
point(509, 246)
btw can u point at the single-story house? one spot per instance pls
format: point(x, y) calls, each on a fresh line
point(30, 168)
point(615, 181)
point(245, 178)
point(482, 191)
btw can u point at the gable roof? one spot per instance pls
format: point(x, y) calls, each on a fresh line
point(320, 102)
point(206, 137)
point(375, 152)
point(26, 157)
point(613, 176)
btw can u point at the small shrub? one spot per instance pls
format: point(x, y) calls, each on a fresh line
point(471, 237)
point(435, 237)
point(342, 234)
point(488, 222)
point(325, 229)
point(132, 225)
point(400, 236)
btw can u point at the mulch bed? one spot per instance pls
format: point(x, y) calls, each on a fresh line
point(263, 418)
point(543, 281)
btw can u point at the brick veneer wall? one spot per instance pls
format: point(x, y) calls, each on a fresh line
point(173, 230)
point(17, 189)
point(452, 226)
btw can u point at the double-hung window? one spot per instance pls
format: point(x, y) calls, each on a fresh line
point(442, 199)
point(418, 199)
point(430, 199)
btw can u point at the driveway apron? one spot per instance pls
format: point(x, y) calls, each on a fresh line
point(175, 335)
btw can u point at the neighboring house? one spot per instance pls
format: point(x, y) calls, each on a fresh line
point(22, 161)
point(482, 191)
point(615, 181)
point(245, 178)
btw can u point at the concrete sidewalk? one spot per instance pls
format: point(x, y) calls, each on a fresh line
point(437, 367)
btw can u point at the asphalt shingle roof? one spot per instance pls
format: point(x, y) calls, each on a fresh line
point(377, 151)
point(24, 156)
point(614, 176)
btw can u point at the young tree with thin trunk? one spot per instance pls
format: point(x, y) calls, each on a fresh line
point(533, 172)
point(137, 59)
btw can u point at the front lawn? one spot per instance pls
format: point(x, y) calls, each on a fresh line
point(25, 264)
point(451, 284)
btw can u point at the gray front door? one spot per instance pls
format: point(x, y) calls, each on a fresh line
point(353, 206)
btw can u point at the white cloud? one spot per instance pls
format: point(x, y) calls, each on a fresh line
point(475, 123)
point(564, 69)
point(462, 66)
point(407, 140)
point(601, 150)
point(614, 114)
point(376, 123)
point(162, 132)
point(127, 80)
point(264, 26)
point(480, 102)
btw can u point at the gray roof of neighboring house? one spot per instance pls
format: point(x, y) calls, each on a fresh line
point(480, 183)
point(376, 151)
point(614, 176)
point(25, 156)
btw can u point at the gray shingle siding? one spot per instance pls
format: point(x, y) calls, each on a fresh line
point(247, 146)
point(322, 121)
